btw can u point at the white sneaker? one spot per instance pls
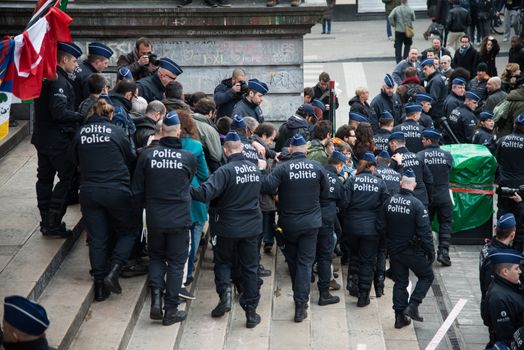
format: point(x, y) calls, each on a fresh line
point(390, 38)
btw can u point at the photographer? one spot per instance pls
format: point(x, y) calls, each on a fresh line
point(249, 105)
point(141, 62)
point(229, 92)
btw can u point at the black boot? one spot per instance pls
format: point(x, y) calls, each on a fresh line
point(352, 285)
point(224, 305)
point(252, 318)
point(326, 298)
point(173, 315)
point(363, 299)
point(401, 320)
point(443, 257)
point(300, 312)
point(53, 225)
point(156, 304)
point(412, 312)
point(111, 280)
point(379, 286)
point(101, 292)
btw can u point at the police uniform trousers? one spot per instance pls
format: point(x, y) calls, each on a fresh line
point(410, 259)
point(362, 259)
point(50, 163)
point(444, 212)
point(168, 253)
point(380, 267)
point(299, 250)
point(228, 251)
point(110, 224)
point(325, 244)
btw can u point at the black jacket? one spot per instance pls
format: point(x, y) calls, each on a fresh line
point(301, 185)
point(381, 103)
point(391, 178)
point(249, 151)
point(324, 97)
point(225, 98)
point(365, 194)
point(439, 162)
point(55, 118)
point(516, 55)
point(438, 90)
point(458, 19)
point(468, 61)
point(151, 88)
point(294, 125)
point(337, 198)
point(406, 223)
point(145, 127)
point(505, 306)
point(234, 191)
point(162, 181)
point(38, 344)
point(380, 138)
point(483, 136)
point(412, 131)
point(509, 154)
point(451, 102)
point(463, 122)
point(422, 173)
point(104, 155)
point(244, 108)
point(356, 106)
point(425, 120)
point(131, 61)
point(82, 73)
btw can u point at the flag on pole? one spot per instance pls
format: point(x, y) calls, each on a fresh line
point(7, 70)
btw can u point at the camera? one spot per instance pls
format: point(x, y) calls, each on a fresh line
point(510, 191)
point(243, 87)
point(153, 59)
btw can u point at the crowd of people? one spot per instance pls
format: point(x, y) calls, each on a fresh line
point(150, 165)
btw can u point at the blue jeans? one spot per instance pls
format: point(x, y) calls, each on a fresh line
point(196, 234)
point(388, 28)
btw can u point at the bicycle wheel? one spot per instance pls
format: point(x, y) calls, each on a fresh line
point(497, 24)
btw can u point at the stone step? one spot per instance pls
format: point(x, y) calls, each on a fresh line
point(16, 135)
point(109, 324)
point(68, 296)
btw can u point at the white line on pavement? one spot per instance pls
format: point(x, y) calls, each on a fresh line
point(447, 323)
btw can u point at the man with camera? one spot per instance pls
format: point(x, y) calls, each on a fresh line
point(153, 87)
point(249, 105)
point(509, 154)
point(229, 92)
point(141, 61)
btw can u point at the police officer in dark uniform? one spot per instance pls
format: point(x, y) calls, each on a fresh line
point(356, 118)
point(380, 137)
point(97, 60)
point(504, 235)
point(410, 247)
point(425, 101)
point(424, 186)
point(505, 304)
point(456, 96)
point(236, 222)
point(463, 120)
point(435, 87)
point(439, 163)
point(249, 105)
point(484, 134)
point(239, 126)
point(105, 157)
point(55, 125)
point(365, 194)
point(168, 214)
point(153, 87)
point(326, 239)
point(301, 185)
point(509, 155)
point(387, 100)
point(411, 127)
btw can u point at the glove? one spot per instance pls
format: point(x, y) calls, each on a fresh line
point(430, 256)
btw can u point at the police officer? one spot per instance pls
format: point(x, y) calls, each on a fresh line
point(249, 105)
point(356, 118)
point(326, 238)
point(55, 125)
point(236, 222)
point(365, 194)
point(439, 163)
point(411, 127)
point(425, 101)
point(387, 100)
point(509, 155)
point(410, 247)
point(484, 133)
point(239, 126)
point(504, 235)
point(504, 300)
point(424, 177)
point(153, 87)
point(104, 155)
point(380, 136)
point(97, 60)
point(462, 119)
point(456, 96)
point(301, 184)
point(168, 214)
point(435, 87)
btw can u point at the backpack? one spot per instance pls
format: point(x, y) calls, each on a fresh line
point(122, 119)
point(500, 112)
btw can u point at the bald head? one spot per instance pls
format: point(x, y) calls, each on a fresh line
point(493, 84)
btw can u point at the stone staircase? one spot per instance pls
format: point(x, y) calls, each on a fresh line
point(55, 272)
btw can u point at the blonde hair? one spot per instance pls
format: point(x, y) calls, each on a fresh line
point(102, 108)
point(361, 90)
point(510, 69)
